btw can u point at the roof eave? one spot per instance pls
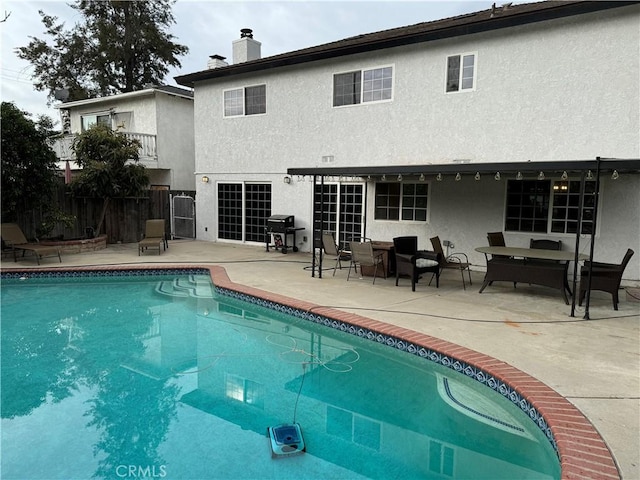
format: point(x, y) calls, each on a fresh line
point(342, 48)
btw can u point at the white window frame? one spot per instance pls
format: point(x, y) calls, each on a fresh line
point(551, 200)
point(243, 97)
point(461, 76)
point(363, 93)
point(401, 205)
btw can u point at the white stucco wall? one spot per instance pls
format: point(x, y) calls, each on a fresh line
point(566, 89)
point(176, 151)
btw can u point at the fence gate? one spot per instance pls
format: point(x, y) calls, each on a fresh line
point(183, 221)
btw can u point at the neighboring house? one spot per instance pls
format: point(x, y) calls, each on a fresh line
point(483, 122)
point(161, 118)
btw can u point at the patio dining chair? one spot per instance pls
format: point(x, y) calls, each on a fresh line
point(496, 239)
point(605, 277)
point(545, 244)
point(457, 260)
point(362, 254)
point(331, 249)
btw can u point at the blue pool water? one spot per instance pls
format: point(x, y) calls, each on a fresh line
point(159, 376)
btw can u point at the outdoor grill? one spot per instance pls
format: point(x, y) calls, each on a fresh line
point(280, 223)
point(280, 227)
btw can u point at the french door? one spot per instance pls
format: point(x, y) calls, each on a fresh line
point(243, 209)
point(339, 209)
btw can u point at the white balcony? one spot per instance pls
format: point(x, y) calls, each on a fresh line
point(148, 154)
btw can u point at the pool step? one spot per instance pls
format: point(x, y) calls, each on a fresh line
point(185, 287)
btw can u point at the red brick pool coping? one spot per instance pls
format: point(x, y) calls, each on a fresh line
point(582, 451)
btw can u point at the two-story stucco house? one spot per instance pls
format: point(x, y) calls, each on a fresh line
point(161, 118)
point(505, 119)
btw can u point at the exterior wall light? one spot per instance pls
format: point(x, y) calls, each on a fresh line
point(286, 179)
point(422, 177)
point(541, 176)
point(615, 175)
point(439, 177)
point(458, 177)
point(497, 176)
point(477, 177)
point(205, 179)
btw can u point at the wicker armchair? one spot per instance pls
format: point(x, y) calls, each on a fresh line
point(605, 277)
point(410, 262)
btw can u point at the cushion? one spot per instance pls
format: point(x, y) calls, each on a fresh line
point(425, 262)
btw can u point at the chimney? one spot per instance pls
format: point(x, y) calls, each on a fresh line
point(246, 48)
point(216, 61)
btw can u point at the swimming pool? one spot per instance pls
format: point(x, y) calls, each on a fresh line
point(169, 378)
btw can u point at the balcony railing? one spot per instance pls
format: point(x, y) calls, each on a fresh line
point(147, 153)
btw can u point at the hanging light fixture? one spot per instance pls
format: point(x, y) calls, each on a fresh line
point(458, 177)
point(477, 177)
point(422, 177)
point(589, 175)
point(564, 175)
point(497, 176)
point(615, 175)
point(541, 175)
point(384, 178)
point(519, 176)
point(439, 177)
point(399, 177)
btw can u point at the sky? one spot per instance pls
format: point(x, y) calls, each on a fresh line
point(208, 27)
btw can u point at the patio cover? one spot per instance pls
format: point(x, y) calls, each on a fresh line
point(584, 168)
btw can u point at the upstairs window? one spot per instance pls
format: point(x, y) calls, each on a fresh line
point(360, 86)
point(89, 121)
point(461, 72)
point(245, 101)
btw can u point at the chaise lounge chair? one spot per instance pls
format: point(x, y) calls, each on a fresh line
point(154, 236)
point(14, 238)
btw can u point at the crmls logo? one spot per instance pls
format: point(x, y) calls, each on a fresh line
point(138, 471)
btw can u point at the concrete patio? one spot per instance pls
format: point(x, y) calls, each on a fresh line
point(595, 364)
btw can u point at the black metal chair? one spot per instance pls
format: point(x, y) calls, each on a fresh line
point(605, 277)
point(457, 260)
point(410, 262)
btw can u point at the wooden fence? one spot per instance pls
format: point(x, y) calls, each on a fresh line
point(124, 221)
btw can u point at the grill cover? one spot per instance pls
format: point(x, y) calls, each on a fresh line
point(280, 223)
